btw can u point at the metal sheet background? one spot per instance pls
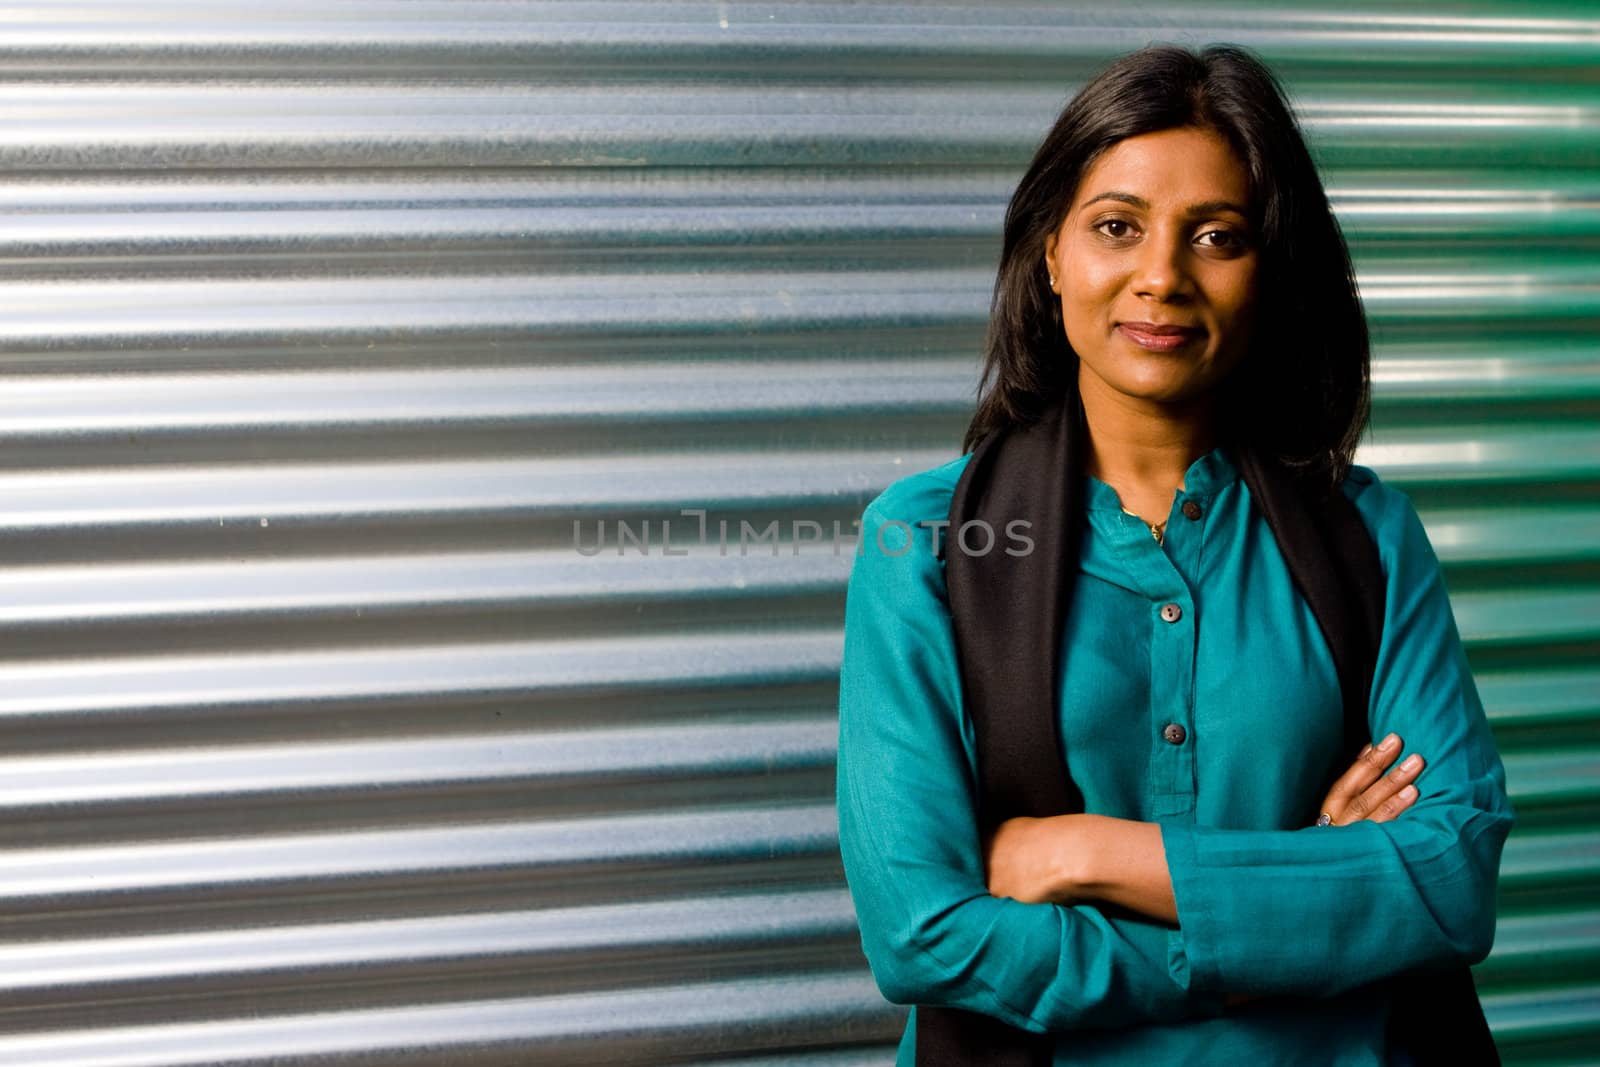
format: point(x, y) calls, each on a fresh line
point(324, 322)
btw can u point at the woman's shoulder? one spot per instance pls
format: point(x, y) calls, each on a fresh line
point(1388, 513)
point(923, 497)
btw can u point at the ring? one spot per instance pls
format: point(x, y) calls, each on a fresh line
point(1324, 819)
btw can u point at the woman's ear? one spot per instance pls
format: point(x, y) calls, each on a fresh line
point(1050, 244)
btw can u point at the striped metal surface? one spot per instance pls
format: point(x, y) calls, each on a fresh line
point(324, 323)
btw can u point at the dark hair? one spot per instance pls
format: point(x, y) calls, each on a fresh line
point(1304, 401)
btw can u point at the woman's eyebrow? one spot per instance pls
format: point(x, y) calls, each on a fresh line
point(1205, 207)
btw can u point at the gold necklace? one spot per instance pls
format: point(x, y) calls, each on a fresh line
point(1158, 530)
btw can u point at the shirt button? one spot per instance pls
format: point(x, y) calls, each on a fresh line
point(1171, 613)
point(1174, 734)
point(1191, 510)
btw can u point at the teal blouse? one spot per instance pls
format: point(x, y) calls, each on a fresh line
point(1267, 903)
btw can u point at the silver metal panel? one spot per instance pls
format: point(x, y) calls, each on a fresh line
point(323, 325)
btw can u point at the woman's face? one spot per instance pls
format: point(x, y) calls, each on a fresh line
point(1156, 267)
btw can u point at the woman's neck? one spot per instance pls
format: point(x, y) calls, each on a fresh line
point(1143, 450)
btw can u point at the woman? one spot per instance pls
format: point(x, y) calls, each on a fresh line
point(1170, 261)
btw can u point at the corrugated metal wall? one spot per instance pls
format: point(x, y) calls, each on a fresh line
point(323, 323)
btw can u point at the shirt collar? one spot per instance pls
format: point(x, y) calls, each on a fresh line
point(1205, 477)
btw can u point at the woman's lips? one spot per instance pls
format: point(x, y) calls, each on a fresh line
point(1159, 338)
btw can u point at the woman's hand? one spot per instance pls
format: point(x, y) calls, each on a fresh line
point(1365, 792)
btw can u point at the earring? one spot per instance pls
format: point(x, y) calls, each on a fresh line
point(1052, 283)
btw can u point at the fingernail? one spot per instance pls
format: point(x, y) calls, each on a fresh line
point(1411, 762)
point(1364, 750)
point(1389, 742)
point(1409, 792)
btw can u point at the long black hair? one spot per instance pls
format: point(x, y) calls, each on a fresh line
point(1302, 392)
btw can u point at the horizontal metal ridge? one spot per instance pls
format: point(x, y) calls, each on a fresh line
point(627, 937)
point(1563, 1013)
point(78, 407)
point(140, 689)
point(558, 487)
point(1542, 948)
point(127, 121)
point(1521, 534)
point(572, 758)
point(1550, 858)
point(229, 868)
point(1568, 776)
point(1536, 700)
point(527, 581)
point(626, 1026)
point(1529, 455)
point(1496, 371)
point(812, 39)
point(1528, 616)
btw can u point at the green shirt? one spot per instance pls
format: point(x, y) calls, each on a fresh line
point(1267, 903)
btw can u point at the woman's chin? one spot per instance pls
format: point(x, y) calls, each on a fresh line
point(1165, 390)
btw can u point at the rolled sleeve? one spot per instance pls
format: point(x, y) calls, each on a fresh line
point(1319, 911)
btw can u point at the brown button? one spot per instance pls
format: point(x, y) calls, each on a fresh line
point(1191, 510)
point(1171, 613)
point(1174, 734)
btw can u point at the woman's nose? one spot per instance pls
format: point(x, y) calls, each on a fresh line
point(1161, 270)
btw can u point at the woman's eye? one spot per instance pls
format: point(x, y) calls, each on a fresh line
point(1222, 239)
point(1114, 227)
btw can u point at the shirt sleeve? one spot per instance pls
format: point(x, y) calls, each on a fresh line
point(908, 833)
point(1318, 911)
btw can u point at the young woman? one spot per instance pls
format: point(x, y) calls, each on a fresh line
point(1170, 260)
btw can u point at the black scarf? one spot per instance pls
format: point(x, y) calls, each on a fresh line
point(1008, 614)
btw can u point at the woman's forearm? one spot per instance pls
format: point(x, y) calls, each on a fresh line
point(1123, 862)
point(1076, 859)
